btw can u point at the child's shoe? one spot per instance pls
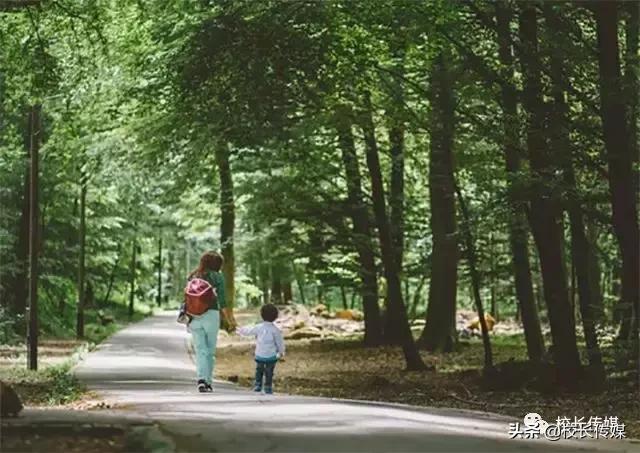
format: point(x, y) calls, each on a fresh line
point(268, 391)
point(257, 389)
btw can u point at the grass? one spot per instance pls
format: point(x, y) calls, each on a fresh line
point(51, 386)
point(96, 332)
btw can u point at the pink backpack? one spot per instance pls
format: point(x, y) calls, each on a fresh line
point(200, 296)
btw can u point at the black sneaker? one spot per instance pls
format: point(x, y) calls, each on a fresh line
point(202, 386)
point(209, 388)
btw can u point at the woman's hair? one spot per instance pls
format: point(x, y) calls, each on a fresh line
point(209, 261)
point(269, 312)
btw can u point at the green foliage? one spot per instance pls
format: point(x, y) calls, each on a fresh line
point(137, 95)
point(52, 386)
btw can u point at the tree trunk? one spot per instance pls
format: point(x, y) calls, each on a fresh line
point(563, 150)
point(362, 232)
point(353, 299)
point(397, 309)
point(439, 333)
point(276, 290)
point(396, 187)
point(416, 296)
point(35, 136)
point(396, 140)
point(287, 292)
point(632, 88)
point(300, 283)
point(475, 282)
point(518, 232)
point(632, 80)
point(112, 276)
point(81, 261)
point(227, 226)
point(620, 159)
point(595, 273)
point(343, 295)
point(546, 211)
point(132, 277)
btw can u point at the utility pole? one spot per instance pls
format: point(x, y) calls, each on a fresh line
point(132, 276)
point(81, 263)
point(34, 239)
point(159, 299)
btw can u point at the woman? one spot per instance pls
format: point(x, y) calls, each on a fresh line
point(204, 328)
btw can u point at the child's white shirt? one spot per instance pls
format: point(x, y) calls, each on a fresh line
point(269, 341)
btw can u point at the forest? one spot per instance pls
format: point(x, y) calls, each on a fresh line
point(406, 159)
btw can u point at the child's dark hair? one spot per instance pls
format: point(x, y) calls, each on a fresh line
point(269, 312)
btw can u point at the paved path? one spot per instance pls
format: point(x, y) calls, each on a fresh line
point(146, 369)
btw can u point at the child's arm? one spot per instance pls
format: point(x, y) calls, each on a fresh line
point(247, 331)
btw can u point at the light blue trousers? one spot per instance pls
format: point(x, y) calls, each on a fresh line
point(204, 333)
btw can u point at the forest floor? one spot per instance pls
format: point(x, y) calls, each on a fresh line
point(342, 368)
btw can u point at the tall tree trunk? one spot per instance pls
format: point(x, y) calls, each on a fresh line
point(518, 232)
point(546, 211)
point(396, 187)
point(132, 277)
point(227, 226)
point(620, 158)
point(632, 80)
point(397, 309)
point(475, 282)
point(81, 261)
point(439, 333)
point(632, 88)
point(362, 231)
point(563, 150)
point(35, 137)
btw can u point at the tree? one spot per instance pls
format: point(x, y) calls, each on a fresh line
point(397, 309)
point(620, 159)
point(518, 232)
point(581, 249)
point(545, 215)
point(227, 226)
point(361, 228)
point(440, 330)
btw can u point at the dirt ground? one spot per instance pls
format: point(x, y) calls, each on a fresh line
point(344, 369)
point(42, 439)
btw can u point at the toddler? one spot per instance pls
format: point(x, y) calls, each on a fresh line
point(269, 347)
